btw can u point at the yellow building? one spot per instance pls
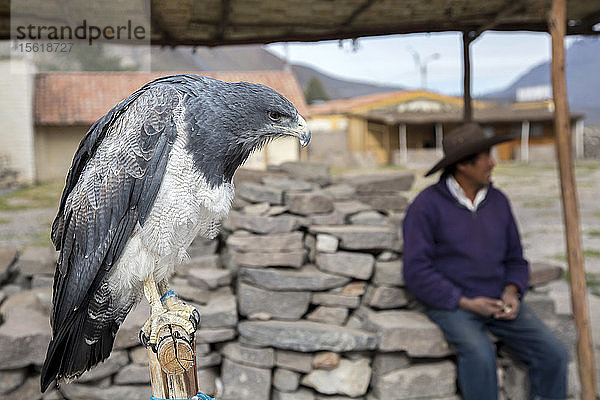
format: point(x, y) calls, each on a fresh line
point(408, 126)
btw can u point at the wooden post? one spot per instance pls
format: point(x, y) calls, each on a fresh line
point(525, 141)
point(173, 367)
point(585, 352)
point(467, 111)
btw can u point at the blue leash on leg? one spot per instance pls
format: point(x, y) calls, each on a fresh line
point(199, 396)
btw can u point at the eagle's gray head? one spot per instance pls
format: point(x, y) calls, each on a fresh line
point(229, 121)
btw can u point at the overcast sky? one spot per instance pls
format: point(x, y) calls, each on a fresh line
point(497, 59)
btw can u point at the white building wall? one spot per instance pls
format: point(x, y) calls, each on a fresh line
point(16, 118)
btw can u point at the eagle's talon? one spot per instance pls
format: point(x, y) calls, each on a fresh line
point(144, 339)
point(195, 319)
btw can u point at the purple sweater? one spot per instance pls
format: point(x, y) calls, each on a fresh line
point(451, 252)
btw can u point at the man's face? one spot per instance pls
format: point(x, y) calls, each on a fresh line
point(479, 171)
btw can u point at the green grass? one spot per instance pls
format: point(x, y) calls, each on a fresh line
point(591, 253)
point(592, 232)
point(4, 221)
point(45, 195)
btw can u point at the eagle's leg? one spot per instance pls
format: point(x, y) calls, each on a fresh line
point(172, 303)
point(161, 316)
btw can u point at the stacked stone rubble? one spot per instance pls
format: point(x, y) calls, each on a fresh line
point(301, 298)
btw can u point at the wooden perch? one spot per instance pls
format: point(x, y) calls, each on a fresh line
point(173, 367)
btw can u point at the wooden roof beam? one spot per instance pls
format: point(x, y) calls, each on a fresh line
point(511, 8)
point(361, 9)
point(224, 21)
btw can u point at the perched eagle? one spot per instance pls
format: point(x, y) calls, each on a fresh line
point(149, 176)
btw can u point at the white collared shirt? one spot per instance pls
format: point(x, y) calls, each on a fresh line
point(459, 194)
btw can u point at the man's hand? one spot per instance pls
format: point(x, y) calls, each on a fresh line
point(484, 306)
point(510, 298)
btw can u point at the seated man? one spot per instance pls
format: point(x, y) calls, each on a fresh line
point(464, 261)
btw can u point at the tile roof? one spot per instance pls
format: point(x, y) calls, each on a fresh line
point(83, 97)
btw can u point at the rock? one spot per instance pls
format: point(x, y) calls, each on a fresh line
point(190, 293)
point(341, 191)
point(352, 289)
point(262, 224)
point(350, 378)
point(305, 171)
point(207, 380)
point(42, 281)
point(114, 363)
point(215, 335)
point(132, 374)
point(241, 382)
point(89, 392)
point(327, 243)
point(202, 246)
point(361, 237)
point(244, 242)
point(382, 183)
point(541, 304)
point(208, 360)
point(385, 297)
point(385, 202)
point(329, 315)
point(24, 337)
point(294, 361)
point(286, 184)
point(294, 259)
point(326, 360)
point(139, 355)
point(277, 304)
point(286, 380)
point(432, 380)
point(302, 394)
point(220, 311)
point(542, 273)
point(37, 260)
point(209, 278)
point(388, 273)
point(350, 207)
point(258, 193)
point(333, 218)
point(11, 379)
point(388, 256)
point(200, 262)
point(8, 256)
point(335, 300)
point(38, 299)
point(317, 202)
point(310, 244)
point(305, 336)
point(408, 331)
point(29, 390)
point(251, 356)
point(351, 264)
point(128, 334)
point(255, 209)
point(368, 218)
point(384, 363)
point(306, 278)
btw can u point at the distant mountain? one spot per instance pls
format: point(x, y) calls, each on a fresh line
point(254, 57)
point(583, 79)
point(338, 88)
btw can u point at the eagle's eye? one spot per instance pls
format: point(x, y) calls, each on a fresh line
point(274, 115)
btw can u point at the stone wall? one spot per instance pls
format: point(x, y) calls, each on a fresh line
point(301, 298)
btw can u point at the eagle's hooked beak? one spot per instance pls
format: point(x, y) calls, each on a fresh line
point(302, 132)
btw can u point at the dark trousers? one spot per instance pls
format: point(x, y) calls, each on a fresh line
point(527, 337)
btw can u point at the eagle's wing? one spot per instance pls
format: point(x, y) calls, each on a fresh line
point(111, 186)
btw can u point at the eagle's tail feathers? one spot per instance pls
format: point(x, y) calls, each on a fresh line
point(70, 355)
